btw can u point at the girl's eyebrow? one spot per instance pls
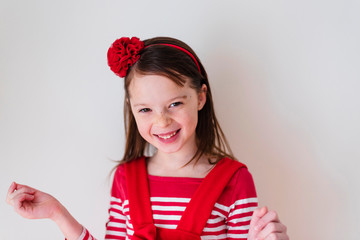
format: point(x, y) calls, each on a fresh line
point(170, 100)
point(179, 97)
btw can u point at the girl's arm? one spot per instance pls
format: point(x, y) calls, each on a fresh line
point(34, 204)
point(266, 225)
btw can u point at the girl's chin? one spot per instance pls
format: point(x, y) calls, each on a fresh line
point(167, 149)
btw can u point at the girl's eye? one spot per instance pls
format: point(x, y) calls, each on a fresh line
point(175, 104)
point(144, 110)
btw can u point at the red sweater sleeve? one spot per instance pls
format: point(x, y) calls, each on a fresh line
point(116, 225)
point(244, 202)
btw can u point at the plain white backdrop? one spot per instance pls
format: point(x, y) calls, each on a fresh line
point(285, 78)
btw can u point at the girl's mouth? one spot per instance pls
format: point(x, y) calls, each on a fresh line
point(167, 136)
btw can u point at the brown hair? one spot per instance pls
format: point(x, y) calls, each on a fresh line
point(177, 66)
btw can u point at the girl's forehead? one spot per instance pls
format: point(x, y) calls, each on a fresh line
point(151, 86)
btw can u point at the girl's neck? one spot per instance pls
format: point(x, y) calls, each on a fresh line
point(176, 165)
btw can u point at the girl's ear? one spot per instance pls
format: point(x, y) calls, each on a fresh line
point(202, 97)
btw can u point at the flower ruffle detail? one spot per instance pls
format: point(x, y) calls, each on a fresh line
point(123, 53)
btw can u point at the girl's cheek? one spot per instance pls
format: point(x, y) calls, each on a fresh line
point(141, 118)
point(144, 132)
point(141, 124)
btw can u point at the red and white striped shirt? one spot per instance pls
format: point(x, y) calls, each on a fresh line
point(169, 196)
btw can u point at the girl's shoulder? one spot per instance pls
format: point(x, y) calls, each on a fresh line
point(242, 180)
point(120, 169)
point(240, 187)
point(119, 188)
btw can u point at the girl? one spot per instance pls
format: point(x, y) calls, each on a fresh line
point(189, 188)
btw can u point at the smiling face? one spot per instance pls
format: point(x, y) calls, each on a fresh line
point(166, 114)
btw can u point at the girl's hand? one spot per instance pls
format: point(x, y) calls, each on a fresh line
point(34, 204)
point(265, 225)
point(31, 203)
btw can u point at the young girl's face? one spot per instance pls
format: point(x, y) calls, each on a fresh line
point(166, 114)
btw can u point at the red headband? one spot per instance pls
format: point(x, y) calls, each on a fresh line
point(124, 52)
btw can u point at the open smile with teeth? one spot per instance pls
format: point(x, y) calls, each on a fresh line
point(162, 136)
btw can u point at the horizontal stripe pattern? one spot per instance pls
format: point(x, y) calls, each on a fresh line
point(230, 217)
point(226, 222)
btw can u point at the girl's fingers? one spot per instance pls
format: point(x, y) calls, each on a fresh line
point(270, 216)
point(12, 188)
point(16, 190)
point(18, 195)
point(265, 225)
point(21, 198)
point(27, 188)
point(257, 215)
point(271, 228)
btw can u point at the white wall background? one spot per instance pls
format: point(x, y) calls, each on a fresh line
point(285, 77)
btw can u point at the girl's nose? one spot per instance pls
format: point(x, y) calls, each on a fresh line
point(163, 119)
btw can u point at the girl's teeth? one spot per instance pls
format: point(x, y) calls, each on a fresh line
point(168, 136)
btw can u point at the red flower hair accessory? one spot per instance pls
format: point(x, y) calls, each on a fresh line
point(123, 53)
